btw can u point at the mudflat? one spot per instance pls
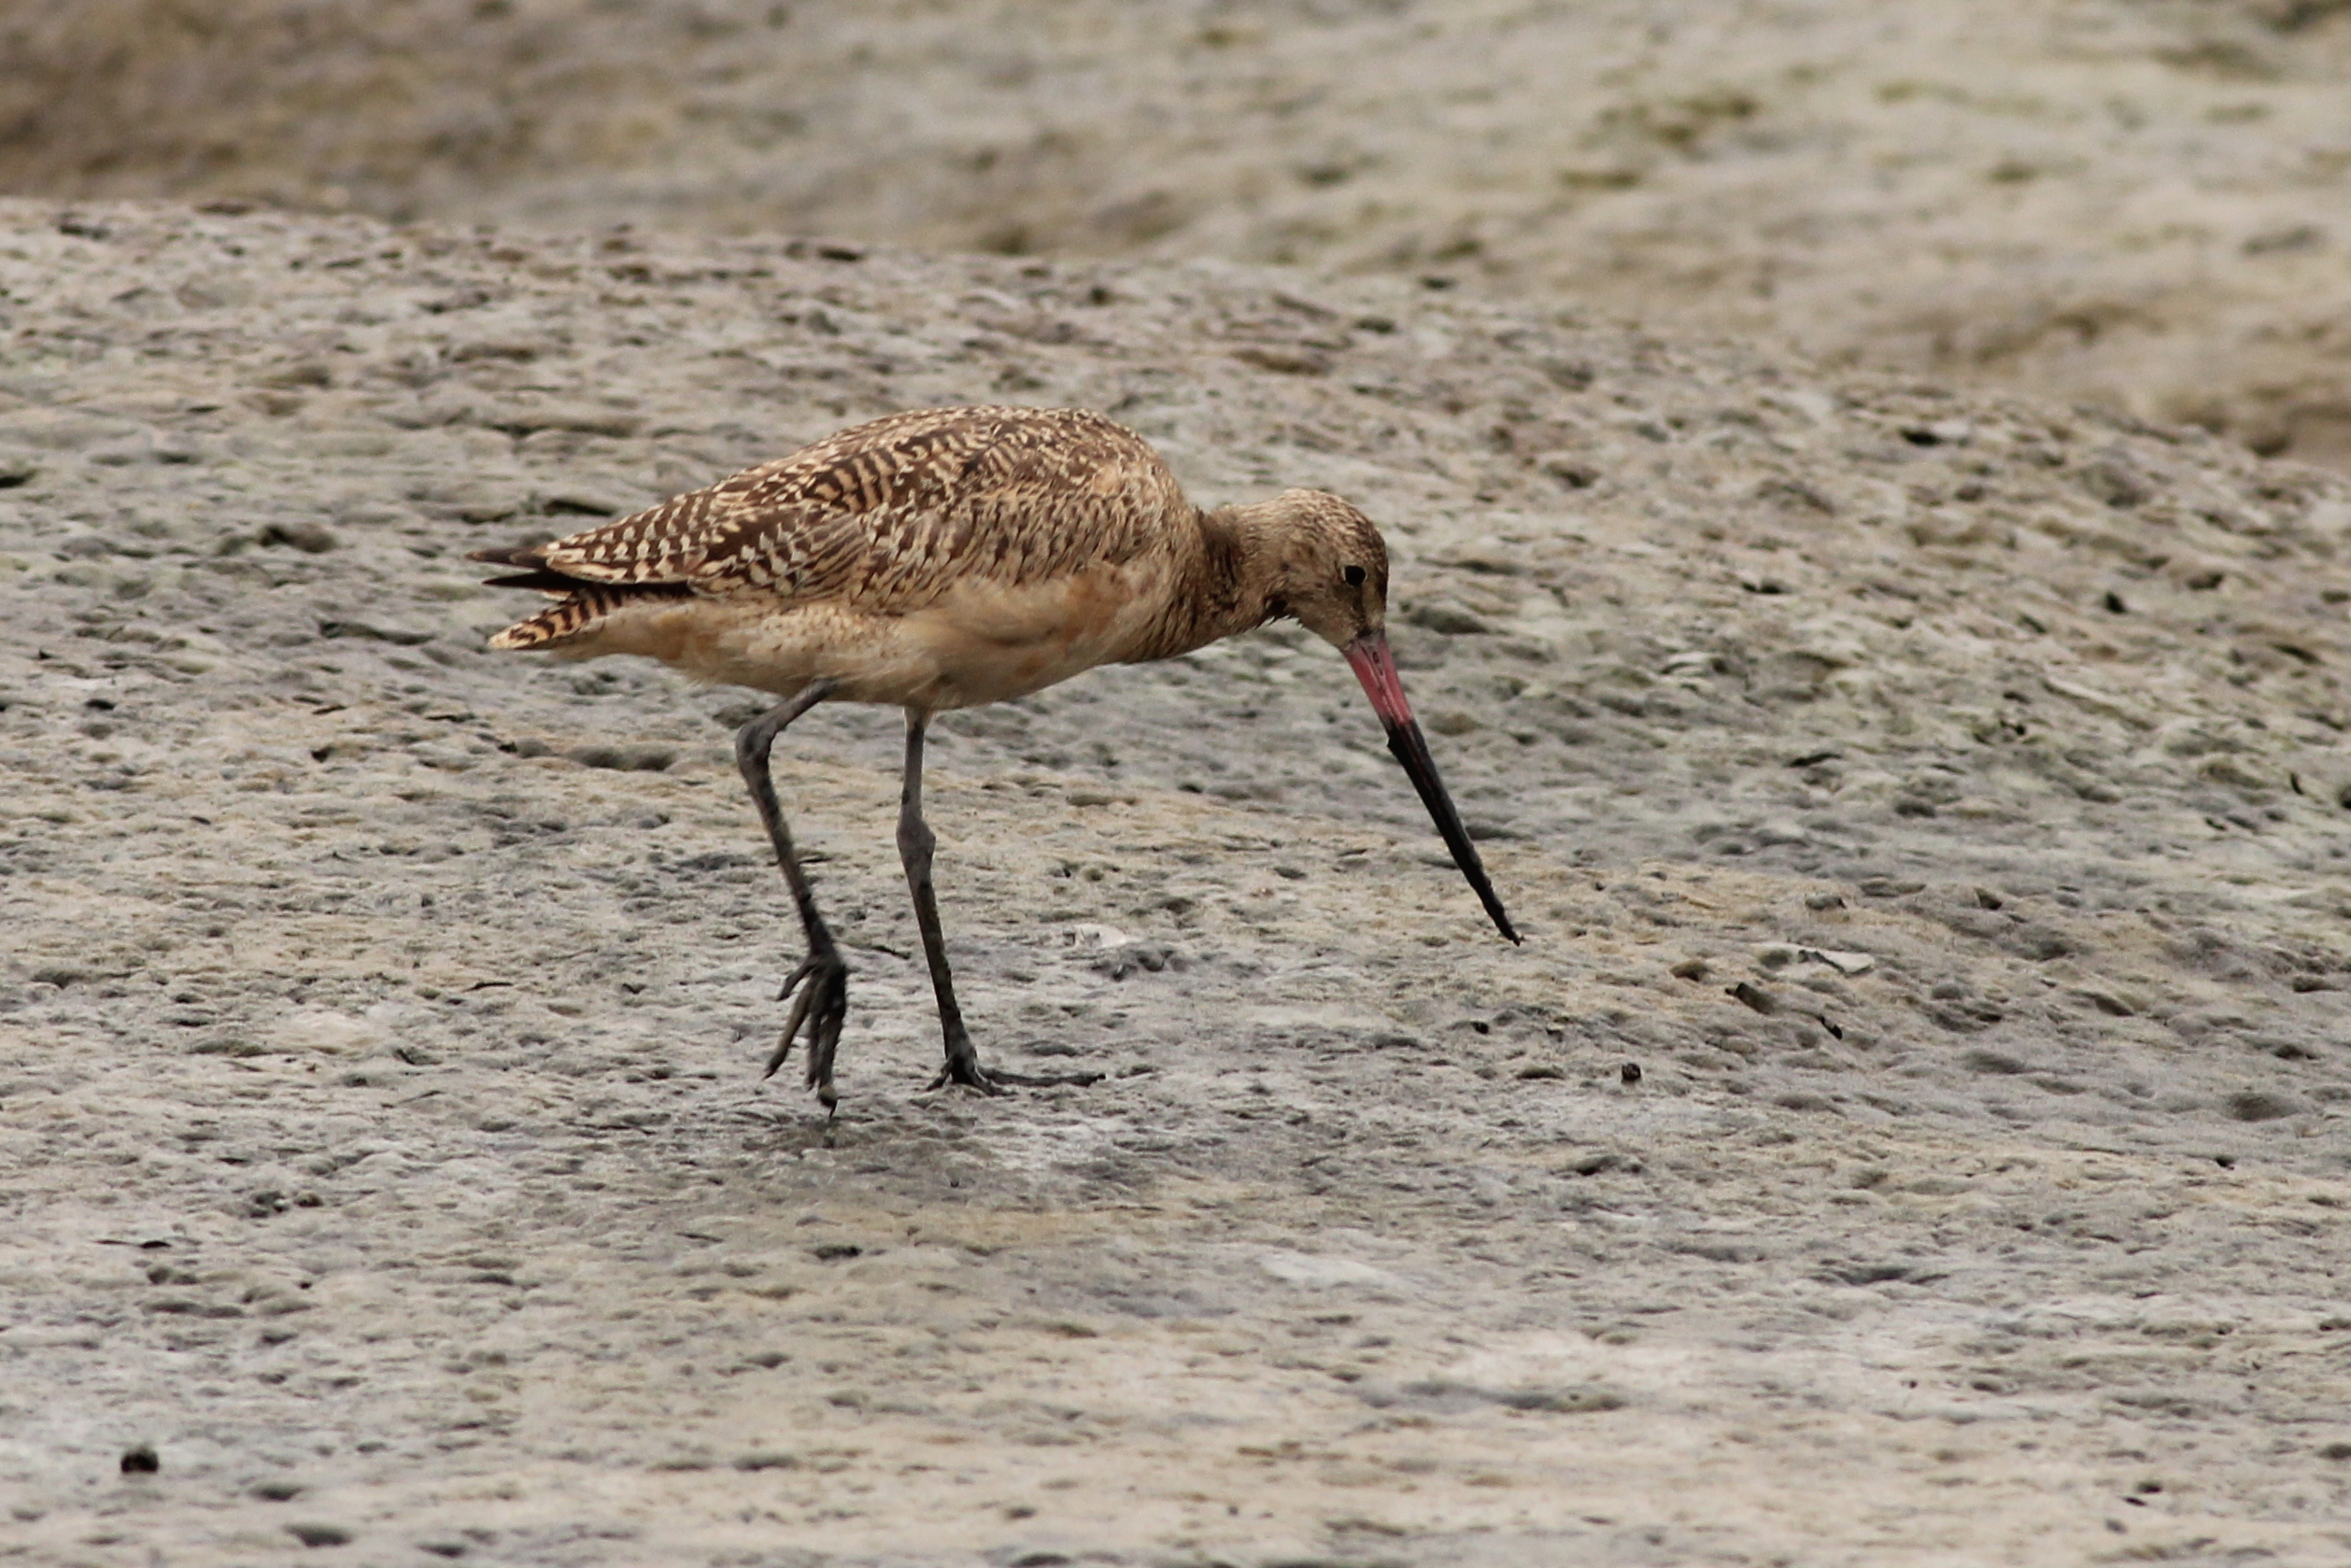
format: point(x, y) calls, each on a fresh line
point(1913, 1131)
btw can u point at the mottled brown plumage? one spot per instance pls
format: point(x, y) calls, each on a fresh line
point(878, 523)
point(944, 558)
point(893, 512)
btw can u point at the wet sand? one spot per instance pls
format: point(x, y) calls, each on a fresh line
point(1938, 797)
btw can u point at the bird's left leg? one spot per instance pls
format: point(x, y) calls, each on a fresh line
point(915, 842)
point(822, 978)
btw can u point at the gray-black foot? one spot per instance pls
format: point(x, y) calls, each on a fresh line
point(822, 981)
point(963, 1068)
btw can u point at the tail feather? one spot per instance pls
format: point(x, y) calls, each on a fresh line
point(570, 617)
point(578, 606)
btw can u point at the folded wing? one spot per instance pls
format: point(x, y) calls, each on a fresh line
point(882, 517)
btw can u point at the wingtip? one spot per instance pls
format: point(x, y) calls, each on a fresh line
point(509, 554)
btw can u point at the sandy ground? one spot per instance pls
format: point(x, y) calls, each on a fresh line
point(1939, 799)
point(2138, 203)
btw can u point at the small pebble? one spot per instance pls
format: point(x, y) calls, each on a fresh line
point(316, 1534)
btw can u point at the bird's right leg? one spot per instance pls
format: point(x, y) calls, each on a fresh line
point(822, 978)
point(915, 843)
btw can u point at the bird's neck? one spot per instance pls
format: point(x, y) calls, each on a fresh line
point(1223, 582)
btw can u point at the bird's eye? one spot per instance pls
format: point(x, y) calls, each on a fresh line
point(1355, 575)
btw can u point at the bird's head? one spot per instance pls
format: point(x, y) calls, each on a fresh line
point(1330, 567)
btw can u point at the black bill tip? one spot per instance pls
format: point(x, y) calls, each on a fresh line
point(1411, 750)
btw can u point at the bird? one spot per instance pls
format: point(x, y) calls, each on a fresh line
point(942, 559)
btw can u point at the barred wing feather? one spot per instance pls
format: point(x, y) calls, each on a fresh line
point(888, 514)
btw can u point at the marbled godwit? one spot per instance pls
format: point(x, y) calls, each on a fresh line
point(946, 558)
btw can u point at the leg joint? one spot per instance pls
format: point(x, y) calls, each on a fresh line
point(755, 740)
point(915, 839)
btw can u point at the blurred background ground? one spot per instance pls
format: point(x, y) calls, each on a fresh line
point(2138, 203)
